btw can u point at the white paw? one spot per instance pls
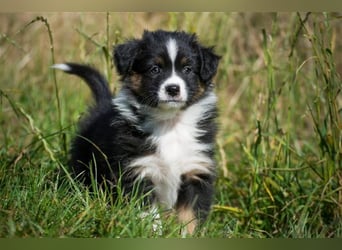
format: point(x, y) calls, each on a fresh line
point(157, 226)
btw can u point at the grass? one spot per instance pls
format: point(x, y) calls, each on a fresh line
point(279, 149)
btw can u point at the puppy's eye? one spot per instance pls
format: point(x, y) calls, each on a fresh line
point(155, 69)
point(187, 69)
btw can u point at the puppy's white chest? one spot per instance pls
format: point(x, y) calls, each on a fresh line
point(176, 146)
point(178, 151)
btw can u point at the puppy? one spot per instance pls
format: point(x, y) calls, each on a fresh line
point(158, 133)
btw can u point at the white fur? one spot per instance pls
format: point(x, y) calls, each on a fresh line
point(178, 151)
point(173, 79)
point(173, 132)
point(123, 104)
point(157, 226)
point(172, 50)
point(61, 66)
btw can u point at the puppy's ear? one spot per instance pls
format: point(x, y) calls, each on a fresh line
point(124, 55)
point(209, 62)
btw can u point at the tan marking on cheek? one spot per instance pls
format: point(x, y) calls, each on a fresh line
point(187, 217)
point(135, 81)
point(200, 91)
point(184, 61)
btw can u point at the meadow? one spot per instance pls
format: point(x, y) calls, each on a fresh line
point(279, 147)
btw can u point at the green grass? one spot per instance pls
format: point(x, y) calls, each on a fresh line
point(279, 149)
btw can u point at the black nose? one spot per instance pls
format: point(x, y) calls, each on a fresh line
point(172, 90)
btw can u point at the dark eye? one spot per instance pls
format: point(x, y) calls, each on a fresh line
point(187, 69)
point(155, 69)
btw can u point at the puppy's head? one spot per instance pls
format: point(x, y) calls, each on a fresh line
point(167, 70)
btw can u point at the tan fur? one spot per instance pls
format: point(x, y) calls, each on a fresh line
point(184, 61)
point(200, 91)
point(159, 61)
point(187, 217)
point(135, 81)
point(194, 174)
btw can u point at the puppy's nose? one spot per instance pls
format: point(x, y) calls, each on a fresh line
point(172, 90)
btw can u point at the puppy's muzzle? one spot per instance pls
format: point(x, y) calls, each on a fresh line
point(173, 90)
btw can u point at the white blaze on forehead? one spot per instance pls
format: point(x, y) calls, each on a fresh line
point(172, 49)
point(173, 79)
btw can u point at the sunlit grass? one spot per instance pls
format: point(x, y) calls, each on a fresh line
point(279, 147)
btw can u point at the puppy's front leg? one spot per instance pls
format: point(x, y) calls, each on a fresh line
point(194, 200)
point(144, 189)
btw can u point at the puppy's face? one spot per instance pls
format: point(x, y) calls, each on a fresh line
point(166, 70)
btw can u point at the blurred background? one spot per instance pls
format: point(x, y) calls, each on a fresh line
point(279, 147)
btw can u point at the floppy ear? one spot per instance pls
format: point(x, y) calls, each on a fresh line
point(124, 55)
point(209, 63)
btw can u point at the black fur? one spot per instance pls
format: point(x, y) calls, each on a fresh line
point(112, 136)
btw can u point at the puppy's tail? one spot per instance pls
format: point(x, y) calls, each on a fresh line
point(94, 79)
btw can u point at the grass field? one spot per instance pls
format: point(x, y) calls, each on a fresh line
point(279, 149)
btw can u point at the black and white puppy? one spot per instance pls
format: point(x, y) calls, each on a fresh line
point(159, 131)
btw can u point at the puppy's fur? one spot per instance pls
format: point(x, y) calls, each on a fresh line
point(160, 128)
